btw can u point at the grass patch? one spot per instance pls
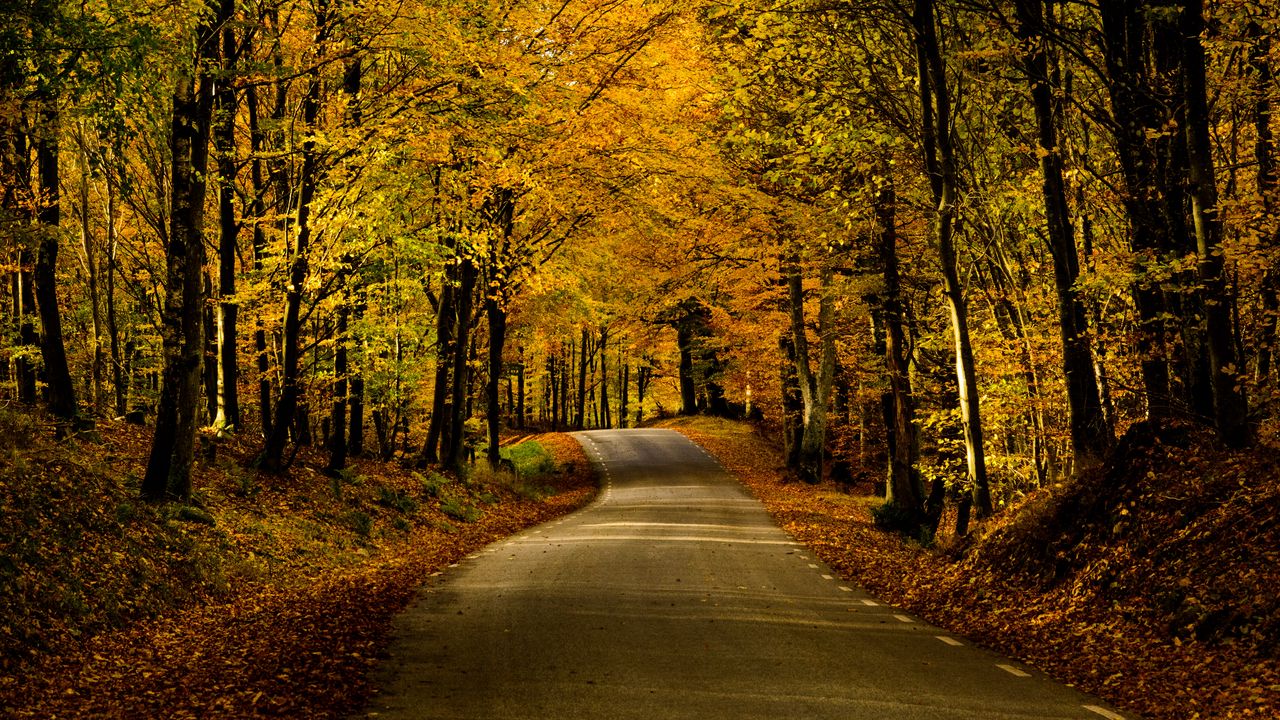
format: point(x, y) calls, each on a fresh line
point(529, 459)
point(460, 510)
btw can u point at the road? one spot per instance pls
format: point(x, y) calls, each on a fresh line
point(675, 596)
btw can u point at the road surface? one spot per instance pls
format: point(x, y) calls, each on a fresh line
point(675, 596)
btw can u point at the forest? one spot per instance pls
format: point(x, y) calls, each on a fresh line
point(959, 250)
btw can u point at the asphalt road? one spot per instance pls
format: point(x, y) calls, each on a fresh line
point(675, 596)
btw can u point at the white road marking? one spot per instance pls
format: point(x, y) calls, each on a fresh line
point(846, 589)
point(949, 640)
point(674, 525)
point(814, 566)
point(1103, 712)
point(827, 577)
point(660, 538)
point(903, 618)
point(870, 603)
point(1016, 672)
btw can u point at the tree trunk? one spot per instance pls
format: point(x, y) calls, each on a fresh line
point(688, 390)
point(815, 390)
point(452, 452)
point(606, 421)
point(1268, 187)
point(940, 162)
point(228, 398)
point(119, 378)
point(355, 445)
point(272, 457)
point(1090, 432)
point(60, 387)
point(903, 489)
point(622, 394)
point(209, 313)
point(445, 323)
point(338, 415)
point(1229, 406)
point(256, 140)
point(520, 409)
point(579, 410)
point(792, 401)
point(89, 247)
point(643, 375)
point(1136, 116)
point(497, 314)
point(172, 451)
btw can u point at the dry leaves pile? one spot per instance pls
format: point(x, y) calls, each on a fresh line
point(1154, 582)
point(116, 609)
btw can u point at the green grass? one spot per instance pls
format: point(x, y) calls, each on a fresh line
point(530, 459)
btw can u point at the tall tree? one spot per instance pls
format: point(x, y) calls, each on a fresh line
point(287, 406)
point(1090, 432)
point(48, 116)
point(940, 162)
point(173, 444)
point(1230, 408)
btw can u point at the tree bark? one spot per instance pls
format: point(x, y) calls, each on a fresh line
point(520, 380)
point(1229, 405)
point(338, 415)
point(1136, 116)
point(60, 387)
point(256, 141)
point(935, 104)
point(579, 410)
point(445, 322)
point(228, 397)
point(272, 457)
point(815, 390)
point(497, 313)
point(89, 247)
point(119, 378)
point(903, 489)
point(623, 389)
point(1090, 432)
point(452, 453)
point(606, 421)
point(172, 450)
point(688, 388)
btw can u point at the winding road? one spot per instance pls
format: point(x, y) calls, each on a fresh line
point(675, 596)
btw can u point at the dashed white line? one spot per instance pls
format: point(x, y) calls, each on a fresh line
point(846, 589)
point(1103, 712)
point(827, 577)
point(903, 618)
point(813, 566)
point(1016, 672)
point(870, 603)
point(949, 640)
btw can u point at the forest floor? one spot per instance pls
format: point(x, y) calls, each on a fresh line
point(266, 596)
point(1151, 582)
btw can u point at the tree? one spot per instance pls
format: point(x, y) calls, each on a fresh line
point(173, 444)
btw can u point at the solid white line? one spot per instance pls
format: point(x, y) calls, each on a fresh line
point(870, 603)
point(661, 538)
point(1103, 712)
point(903, 618)
point(949, 640)
point(1014, 671)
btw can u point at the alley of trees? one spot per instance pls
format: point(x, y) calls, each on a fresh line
point(954, 247)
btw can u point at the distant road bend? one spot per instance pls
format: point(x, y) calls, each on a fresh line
point(675, 596)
